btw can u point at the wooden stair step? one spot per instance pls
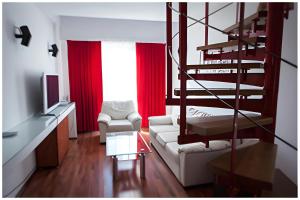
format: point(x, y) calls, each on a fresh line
point(231, 43)
point(256, 79)
point(217, 125)
point(247, 22)
point(254, 166)
point(226, 66)
point(257, 54)
point(254, 105)
point(220, 92)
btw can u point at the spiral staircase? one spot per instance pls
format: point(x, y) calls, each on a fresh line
point(250, 56)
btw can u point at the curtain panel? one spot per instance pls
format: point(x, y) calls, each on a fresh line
point(150, 61)
point(85, 77)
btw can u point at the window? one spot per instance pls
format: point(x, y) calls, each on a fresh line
point(119, 71)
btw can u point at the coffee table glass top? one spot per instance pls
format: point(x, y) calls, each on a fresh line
point(125, 143)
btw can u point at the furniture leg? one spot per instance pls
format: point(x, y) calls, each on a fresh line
point(142, 166)
point(115, 167)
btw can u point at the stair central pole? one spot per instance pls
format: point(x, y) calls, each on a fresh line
point(182, 62)
point(275, 21)
point(169, 45)
point(237, 94)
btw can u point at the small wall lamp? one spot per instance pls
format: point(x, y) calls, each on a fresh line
point(24, 34)
point(54, 50)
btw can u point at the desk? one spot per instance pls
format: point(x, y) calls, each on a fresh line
point(30, 134)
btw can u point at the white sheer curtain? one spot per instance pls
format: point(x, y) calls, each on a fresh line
point(119, 71)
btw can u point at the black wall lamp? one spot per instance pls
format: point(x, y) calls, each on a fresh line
point(54, 50)
point(24, 34)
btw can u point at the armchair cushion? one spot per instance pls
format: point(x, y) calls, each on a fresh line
point(119, 125)
point(104, 118)
point(118, 109)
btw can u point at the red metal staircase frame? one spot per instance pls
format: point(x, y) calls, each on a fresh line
point(267, 106)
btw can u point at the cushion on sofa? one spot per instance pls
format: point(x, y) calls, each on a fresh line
point(172, 150)
point(162, 128)
point(120, 125)
point(216, 145)
point(160, 120)
point(197, 112)
point(166, 137)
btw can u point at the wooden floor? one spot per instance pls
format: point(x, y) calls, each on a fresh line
point(87, 172)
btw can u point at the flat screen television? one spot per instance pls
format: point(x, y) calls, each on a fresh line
point(50, 92)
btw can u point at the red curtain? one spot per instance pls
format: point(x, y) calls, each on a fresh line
point(85, 77)
point(151, 91)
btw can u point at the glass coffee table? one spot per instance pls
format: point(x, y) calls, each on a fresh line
point(129, 145)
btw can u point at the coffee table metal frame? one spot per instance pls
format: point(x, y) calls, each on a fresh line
point(141, 152)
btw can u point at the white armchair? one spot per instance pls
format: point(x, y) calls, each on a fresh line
point(118, 116)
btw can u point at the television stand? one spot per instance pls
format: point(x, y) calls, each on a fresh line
point(51, 151)
point(31, 135)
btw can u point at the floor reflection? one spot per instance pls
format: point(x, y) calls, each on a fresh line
point(128, 183)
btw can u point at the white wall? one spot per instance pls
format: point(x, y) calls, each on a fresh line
point(286, 122)
point(85, 28)
point(22, 70)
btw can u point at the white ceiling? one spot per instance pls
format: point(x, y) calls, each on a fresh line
point(154, 11)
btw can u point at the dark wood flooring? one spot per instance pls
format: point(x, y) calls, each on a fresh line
point(87, 172)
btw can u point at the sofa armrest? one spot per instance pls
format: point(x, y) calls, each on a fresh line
point(160, 120)
point(104, 118)
point(132, 117)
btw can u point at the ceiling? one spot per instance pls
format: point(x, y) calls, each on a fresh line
point(154, 11)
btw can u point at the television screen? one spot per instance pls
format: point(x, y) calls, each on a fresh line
point(52, 90)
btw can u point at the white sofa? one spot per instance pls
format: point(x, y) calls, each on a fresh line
point(188, 162)
point(118, 116)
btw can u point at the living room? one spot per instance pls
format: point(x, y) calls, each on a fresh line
point(102, 52)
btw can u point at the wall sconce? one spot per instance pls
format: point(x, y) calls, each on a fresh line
point(24, 34)
point(54, 50)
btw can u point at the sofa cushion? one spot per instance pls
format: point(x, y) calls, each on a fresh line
point(166, 137)
point(215, 145)
point(119, 125)
point(172, 150)
point(196, 112)
point(191, 112)
point(118, 109)
point(160, 120)
point(162, 128)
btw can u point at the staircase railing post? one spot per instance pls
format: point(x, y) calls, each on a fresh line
point(237, 94)
point(169, 45)
point(182, 61)
point(206, 28)
point(237, 13)
point(206, 23)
